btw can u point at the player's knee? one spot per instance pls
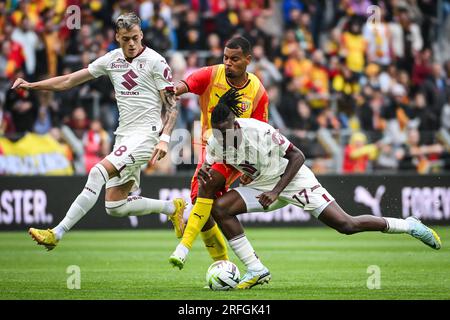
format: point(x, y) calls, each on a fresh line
point(209, 189)
point(219, 209)
point(98, 175)
point(205, 192)
point(116, 208)
point(346, 226)
point(116, 212)
point(212, 186)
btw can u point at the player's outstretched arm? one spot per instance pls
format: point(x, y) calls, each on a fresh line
point(181, 88)
point(59, 83)
point(168, 98)
point(296, 159)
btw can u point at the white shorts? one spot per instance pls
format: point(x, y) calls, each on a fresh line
point(128, 156)
point(311, 199)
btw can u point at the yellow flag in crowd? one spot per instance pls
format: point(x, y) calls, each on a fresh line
point(33, 155)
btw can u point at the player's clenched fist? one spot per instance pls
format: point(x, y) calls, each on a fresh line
point(267, 198)
point(20, 83)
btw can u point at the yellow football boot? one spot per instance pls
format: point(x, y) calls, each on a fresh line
point(177, 217)
point(46, 238)
point(253, 278)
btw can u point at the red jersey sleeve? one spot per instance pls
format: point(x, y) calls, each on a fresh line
point(261, 112)
point(199, 80)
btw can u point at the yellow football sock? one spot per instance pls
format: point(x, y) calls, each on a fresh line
point(199, 215)
point(215, 243)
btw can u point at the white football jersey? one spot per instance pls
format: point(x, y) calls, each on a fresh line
point(136, 85)
point(260, 154)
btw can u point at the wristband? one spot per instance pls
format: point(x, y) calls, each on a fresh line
point(164, 137)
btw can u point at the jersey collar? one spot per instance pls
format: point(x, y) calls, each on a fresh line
point(241, 87)
point(130, 60)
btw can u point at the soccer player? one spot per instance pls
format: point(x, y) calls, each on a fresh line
point(278, 178)
point(143, 84)
point(210, 83)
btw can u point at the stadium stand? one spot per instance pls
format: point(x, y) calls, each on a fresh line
point(334, 70)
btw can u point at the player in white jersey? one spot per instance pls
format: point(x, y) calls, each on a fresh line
point(276, 176)
point(142, 83)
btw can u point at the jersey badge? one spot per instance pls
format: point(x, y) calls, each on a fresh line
point(245, 106)
point(277, 138)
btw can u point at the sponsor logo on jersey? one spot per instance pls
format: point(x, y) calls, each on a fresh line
point(119, 64)
point(129, 82)
point(220, 86)
point(129, 93)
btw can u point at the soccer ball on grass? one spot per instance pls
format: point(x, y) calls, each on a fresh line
point(222, 275)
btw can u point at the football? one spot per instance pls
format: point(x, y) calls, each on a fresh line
point(222, 275)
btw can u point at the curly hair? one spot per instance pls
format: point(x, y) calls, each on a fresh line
point(229, 102)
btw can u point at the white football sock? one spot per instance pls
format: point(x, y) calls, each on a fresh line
point(97, 177)
point(244, 251)
point(138, 206)
point(181, 251)
point(395, 225)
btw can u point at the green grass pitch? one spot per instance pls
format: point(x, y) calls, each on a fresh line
point(306, 263)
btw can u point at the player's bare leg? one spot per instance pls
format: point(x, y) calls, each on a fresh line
point(200, 219)
point(335, 217)
point(225, 210)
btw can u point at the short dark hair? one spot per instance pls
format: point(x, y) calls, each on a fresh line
point(239, 42)
point(127, 21)
point(228, 103)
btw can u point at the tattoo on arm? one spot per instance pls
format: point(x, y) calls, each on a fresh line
point(181, 88)
point(170, 104)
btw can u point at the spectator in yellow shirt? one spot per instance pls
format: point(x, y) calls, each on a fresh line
point(298, 66)
point(318, 82)
point(354, 47)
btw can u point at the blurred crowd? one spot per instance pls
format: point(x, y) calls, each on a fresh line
point(358, 85)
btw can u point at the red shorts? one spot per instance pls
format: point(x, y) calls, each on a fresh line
point(230, 174)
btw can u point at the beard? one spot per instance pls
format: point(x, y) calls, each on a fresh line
point(230, 74)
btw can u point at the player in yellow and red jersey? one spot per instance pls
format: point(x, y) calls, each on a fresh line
point(210, 83)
